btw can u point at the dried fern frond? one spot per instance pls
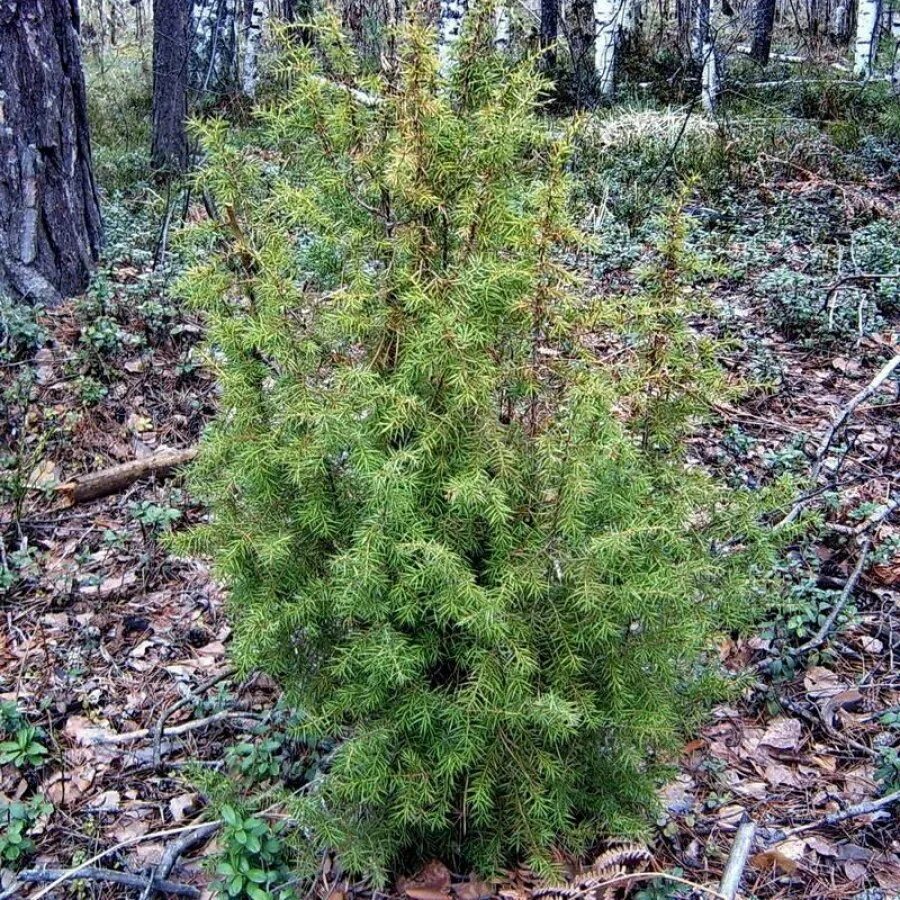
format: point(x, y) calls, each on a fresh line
point(598, 881)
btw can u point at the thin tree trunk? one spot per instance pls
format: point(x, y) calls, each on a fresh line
point(607, 33)
point(256, 14)
point(171, 51)
point(710, 86)
point(502, 27)
point(700, 32)
point(50, 227)
point(867, 16)
point(685, 14)
point(213, 67)
point(549, 31)
point(763, 23)
point(450, 22)
point(580, 33)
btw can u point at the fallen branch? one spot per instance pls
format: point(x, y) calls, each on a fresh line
point(883, 374)
point(73, 873)
point(108, 876)
point(117, 478)
point(870, 522)
point(851, 812)
point(821, 635)
point(737, 860)
point(180, 704)
point(127, 737)
point(171, 855)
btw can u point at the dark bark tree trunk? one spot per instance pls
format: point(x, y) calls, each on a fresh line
point(50, 228)
point(763, 22)
point(171, 49)
point(549, 31)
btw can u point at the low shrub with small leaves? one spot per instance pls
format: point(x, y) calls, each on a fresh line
point(470, 553)
point(17, 820)
point(250, 866)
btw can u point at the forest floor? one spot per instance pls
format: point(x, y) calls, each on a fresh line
point(107, 635)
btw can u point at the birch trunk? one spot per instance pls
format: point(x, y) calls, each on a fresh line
point(607, 34)
point(700, 32)
point(50, 229)
point(213, 68)
point(450, 22)
point(867, 15)
point(709, 79)
point(502, 27)
point(256, 14)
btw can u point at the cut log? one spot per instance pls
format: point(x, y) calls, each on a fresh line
point(117, 478)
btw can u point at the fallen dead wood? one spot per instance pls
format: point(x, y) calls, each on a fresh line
point(127, 737)
point(159, 728)
point(106, 876)
point(737, 860)
point(117, 478)
point(67, 875)
point(882, 375)
point(171, 855)
point(851, 812)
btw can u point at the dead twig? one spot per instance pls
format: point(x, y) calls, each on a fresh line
point(109, 876)
point(821, 635)
point(883, 374)
point(737, 859)
point(195, 724)
point(180, 704)
point(851, 812)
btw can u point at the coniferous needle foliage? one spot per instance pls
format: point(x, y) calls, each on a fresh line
point(440, 533)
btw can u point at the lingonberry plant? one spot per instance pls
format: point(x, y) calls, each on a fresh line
point(441, 531)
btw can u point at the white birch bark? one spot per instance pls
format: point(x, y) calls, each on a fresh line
point(252, 41)
point(709, 79)
point(214, 60)
point(867, 15)
point(450, 23)
point(607, 28)
point(502, 27)
point(631, 16)
point(700, 31)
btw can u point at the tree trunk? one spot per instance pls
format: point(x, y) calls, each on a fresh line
point(607, 33)
point(502, 27)
point(171, 51)
point(709, 79)
point(581, 28)
point(868, 13)
point(700, 33)
point(50, 228)
point(549, 31)
point(450, 21)
point(213, 65)
point(763, 23)
point(255, 16)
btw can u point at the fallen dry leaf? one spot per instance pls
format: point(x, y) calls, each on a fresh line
point(782, 734)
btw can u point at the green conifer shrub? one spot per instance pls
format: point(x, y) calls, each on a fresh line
point(440, 528)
